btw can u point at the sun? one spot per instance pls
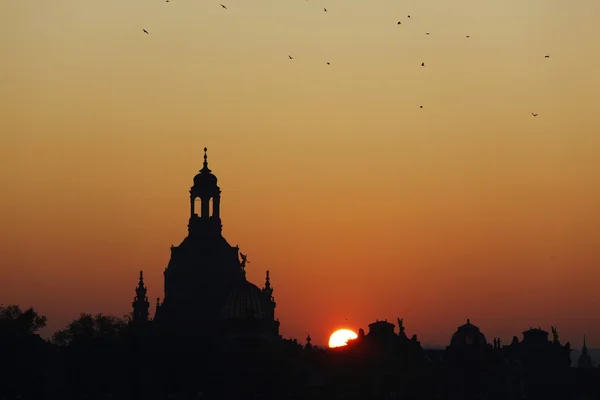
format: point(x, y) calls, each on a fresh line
point(340, 337)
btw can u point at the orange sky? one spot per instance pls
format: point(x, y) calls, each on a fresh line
point(361, 204)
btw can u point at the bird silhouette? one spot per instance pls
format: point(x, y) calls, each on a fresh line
point(324, 9)
point(291, 58)
point(223, 6)
point(408, 16)
point(145, 31)
point(328, 63)
point(535, 115)
point(422, 64)
point(420, 106)
point(467, 36)
point(399, 23)
point(427, 33)
point(547, 57)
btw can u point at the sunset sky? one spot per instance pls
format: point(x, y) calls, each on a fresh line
point(361, 204)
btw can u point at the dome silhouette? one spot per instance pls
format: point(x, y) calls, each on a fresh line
point(245, 301)
point(205, 178)
point(468, 335)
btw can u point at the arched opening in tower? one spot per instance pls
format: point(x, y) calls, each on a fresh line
point(197, 206)
point(211, 203)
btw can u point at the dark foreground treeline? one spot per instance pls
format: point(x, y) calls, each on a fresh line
point(103, 357)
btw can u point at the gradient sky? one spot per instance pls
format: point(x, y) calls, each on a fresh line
point(361, 204)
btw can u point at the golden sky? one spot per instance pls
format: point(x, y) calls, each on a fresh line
point(361, 204)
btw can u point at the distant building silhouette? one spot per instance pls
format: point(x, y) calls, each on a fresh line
point(584, 361)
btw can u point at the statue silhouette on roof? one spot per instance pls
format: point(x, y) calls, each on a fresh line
point(244, 259)
point(555, 334)
point(401, 325)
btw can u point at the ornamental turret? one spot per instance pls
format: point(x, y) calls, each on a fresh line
point(140, 304)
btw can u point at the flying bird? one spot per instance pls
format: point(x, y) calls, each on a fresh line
point(427, 33)
point(422, 64)
point(408, 16)
point(399, 23)
point(535, 115)
point(420, 106)
point(328, 63)
point(145, 31)
point(325, 9)
point(467, 36)
point(291, 58)
point(223, 6)
point(547, 57)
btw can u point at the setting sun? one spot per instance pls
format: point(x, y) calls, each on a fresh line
point(340, 338)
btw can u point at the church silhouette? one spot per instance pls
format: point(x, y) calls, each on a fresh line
point(205, 280)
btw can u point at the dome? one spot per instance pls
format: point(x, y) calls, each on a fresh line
point(205, 178)
point(468, 335)
point(245, 301)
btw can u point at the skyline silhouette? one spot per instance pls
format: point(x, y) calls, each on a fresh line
point(361, 203)
point(212, 208)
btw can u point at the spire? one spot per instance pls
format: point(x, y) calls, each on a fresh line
point(140, 301)
point(141, 289)
point(205, 167)
point(268, 289)
point(585, 361)
point(308, 340)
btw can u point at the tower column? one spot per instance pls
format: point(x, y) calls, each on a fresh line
point(216, 206)
point(205, 207)
point(192, 211)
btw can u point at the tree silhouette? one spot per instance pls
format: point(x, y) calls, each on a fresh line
point(88, 328)
point(14, 321)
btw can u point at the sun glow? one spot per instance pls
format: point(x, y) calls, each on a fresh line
point(340, 337)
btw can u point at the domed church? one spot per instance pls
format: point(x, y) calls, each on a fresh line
point(206, 290)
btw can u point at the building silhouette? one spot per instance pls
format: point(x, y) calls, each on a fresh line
point(215, 336)
point(205, 285)
point(584, 361)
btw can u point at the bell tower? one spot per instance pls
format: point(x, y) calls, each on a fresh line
point(205, 221)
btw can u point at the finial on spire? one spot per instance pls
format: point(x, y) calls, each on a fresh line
point(141, 275)
point(267, 281)
point(468, 321)
point(205, 158)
